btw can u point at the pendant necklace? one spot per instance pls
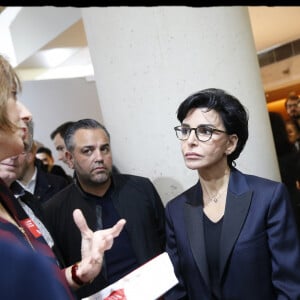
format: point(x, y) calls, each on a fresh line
point(213, 198)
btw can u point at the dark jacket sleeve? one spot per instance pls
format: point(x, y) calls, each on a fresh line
point(139, 203)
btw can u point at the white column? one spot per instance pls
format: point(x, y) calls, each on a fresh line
point(148, 60)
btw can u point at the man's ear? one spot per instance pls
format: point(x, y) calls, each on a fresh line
point(30, 157)
point(69, 159)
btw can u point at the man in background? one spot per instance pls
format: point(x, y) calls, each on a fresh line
point(31, 177)
point(28, 172)
point(44, 154)
point(57, 136)
point(103, 197)
point(292, 106)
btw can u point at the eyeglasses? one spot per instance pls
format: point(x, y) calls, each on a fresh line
point(203, 132)
point(291, 105)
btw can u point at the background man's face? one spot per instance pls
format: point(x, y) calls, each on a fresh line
point(60, 147)
point(91, 157)
point(292, 108)
point(46, 160)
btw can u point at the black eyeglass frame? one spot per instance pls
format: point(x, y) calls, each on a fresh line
point(208, 128)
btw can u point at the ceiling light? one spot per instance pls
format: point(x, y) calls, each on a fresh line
point(54, 57)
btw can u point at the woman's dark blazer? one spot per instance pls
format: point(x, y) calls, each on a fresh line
point(259, 248)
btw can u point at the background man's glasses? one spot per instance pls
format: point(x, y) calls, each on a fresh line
point(203, 132)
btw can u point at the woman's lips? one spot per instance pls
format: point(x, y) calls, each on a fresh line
point(8, 166)
point(191, 155)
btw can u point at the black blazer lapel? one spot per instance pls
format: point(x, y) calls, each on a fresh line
point(193, 214)
point(237, 206)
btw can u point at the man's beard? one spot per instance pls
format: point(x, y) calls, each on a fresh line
point(100, 179)
point(29, 141)
point(28, 144)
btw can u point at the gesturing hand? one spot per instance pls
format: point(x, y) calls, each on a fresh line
point(93, 246)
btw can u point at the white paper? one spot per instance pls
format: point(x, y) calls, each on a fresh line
point(147, 282)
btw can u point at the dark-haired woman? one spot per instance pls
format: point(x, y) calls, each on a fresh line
point(231, 235)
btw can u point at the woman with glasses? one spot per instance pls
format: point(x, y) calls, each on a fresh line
point(231, 235)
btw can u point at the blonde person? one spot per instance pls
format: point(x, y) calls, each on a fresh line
point(15, 225)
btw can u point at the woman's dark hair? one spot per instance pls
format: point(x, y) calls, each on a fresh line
point(233, 114)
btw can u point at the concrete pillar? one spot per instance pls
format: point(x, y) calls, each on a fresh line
point(148, 60)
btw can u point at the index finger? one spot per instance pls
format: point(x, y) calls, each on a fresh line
point(80, 222)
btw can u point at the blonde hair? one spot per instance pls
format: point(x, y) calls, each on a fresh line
point(10, 85)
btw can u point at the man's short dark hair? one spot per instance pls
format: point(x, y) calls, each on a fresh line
point(61, 129)
point(82, 124)
point(44, 150)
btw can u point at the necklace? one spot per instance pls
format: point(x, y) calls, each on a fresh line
point(213, 198)
point(221, 184)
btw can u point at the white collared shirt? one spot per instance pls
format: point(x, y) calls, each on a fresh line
point(31, 184)
point(30, 189)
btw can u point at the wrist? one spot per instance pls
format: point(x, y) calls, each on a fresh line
point(74, 275)
point(77, 278)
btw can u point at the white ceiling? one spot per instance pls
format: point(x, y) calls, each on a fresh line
point(272, 26)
